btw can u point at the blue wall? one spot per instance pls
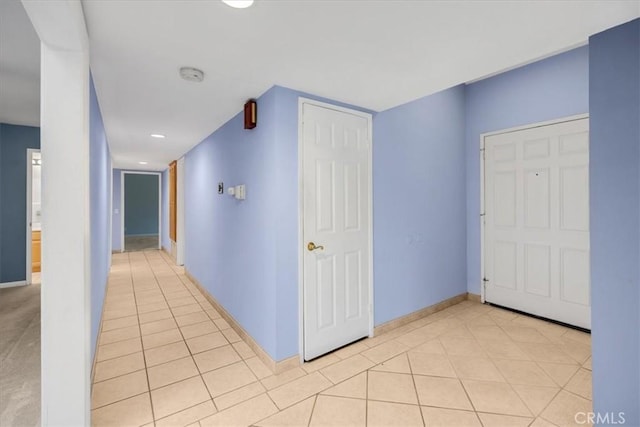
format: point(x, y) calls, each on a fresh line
point(286, 225)
point(545, 90)
point(166, 240)
point(141, 198)
point(14, 142)
point(100, 207)
point(245, 253)
point(230, 244)
point(614, 86)
point(419, 205)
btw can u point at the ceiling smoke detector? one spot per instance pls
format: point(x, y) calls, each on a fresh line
point(191, 74)
point(238, 4)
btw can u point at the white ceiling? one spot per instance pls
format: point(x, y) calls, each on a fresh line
point(375, 54)
point(19, 66)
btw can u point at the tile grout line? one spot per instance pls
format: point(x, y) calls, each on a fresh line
point(476, 341)
point(575, 394)
point(144, 357)
point(185, 341)
point(536, 362)
point(119, 376)
point(122, 355)
point(118, 401)
point(185, 409)
point(313, 408)
point(415, 388)
point(229, 343)
point(96, 382)
point(122, 327)
point(546, 406)
point(366, 396)
point(272, 401)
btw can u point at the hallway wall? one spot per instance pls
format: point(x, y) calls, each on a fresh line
point(419, 204)
point(14, 142)
point(614, 85)
point(100, 207)
point(230, 244)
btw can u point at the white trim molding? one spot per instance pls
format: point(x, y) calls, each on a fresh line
point(122, 206)
point(180, 243)
point(13, 284)
point(29, 228)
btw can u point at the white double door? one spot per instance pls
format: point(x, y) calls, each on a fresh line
point(336, 153)
point(537, 221)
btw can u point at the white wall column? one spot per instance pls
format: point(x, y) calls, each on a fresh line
point(65, 297)
point(180, 212)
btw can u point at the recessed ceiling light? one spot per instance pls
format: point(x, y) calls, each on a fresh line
point(238, 4)
point(157, 135)
point(142, 163)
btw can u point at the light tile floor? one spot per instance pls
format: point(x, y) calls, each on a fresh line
point(166, 357)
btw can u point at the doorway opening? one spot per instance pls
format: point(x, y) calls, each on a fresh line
point(141, 210)
point(34, 215)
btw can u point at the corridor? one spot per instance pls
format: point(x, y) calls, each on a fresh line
point(166, 356)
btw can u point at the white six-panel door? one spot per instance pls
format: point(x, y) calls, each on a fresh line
point(537, 221)
point(336, 153)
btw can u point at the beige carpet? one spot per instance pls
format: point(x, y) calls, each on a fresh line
point(20, 356)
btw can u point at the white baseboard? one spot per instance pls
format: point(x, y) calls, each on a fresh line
point(13, 284)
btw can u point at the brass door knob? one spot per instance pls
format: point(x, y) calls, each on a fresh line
point(312, 247)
